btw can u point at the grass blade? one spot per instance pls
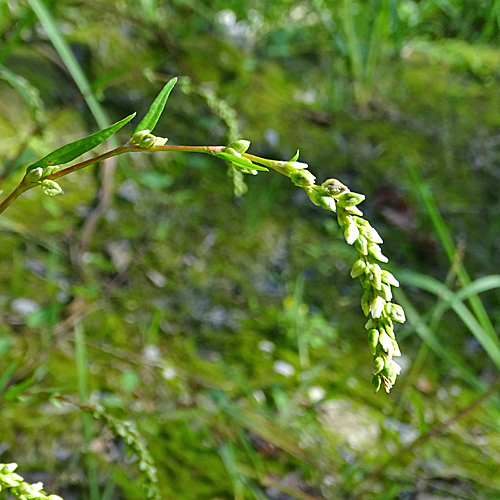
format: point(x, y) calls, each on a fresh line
point(449, 247)
point(69, 60)
point(436, 287)
point(423, 331)
point(83, 393)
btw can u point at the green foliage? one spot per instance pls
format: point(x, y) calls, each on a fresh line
point(73, 150)
point(240, 379)
point(153, 115)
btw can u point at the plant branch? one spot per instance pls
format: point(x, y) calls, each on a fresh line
point(26, 184)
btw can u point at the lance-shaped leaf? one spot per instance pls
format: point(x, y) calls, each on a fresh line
point(241, 162)
point(73, 150)
point(153, 115)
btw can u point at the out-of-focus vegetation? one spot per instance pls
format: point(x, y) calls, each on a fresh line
point(226, 330)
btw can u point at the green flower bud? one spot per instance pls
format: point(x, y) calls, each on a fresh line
point(314, 196)
point(232, 151)
point(302, 178)
point(376, 251)
point(392, 371)
point(366, 301)
point(385, 292)
point(351, 234)
point(343, 218)
point(388, 325)
point(370, 324)
point(353, 210)
point(10, 481)
point(361, 245)
point(327, 202)
point(378, 365)
point(240, 146)
point(334, 187)
point(137, 137)
point(388, 278)
point(358, 268)
point(51, 188)
point(373, 335)
point(49, 170)
point(160, 141)
point(350, 199)
point(386, 342)
point(147, 141)
point(291, 166)
point(374, 275)
point(362, 280)
point(395, 348)
point(395, 312)
point(377, 307)
point(35, 174)
point(376, 383)
point(371, 234)
point(244, 170)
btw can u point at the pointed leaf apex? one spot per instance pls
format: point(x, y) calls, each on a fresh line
point(153, 115)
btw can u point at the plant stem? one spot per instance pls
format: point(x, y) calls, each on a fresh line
point(23, 186)
point(26, 184)
point(275, 165)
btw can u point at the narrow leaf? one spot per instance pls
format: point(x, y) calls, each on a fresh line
point(75, 149)
point(153, 115)
point(240, 162)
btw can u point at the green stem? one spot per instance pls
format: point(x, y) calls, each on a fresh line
point(23, 186)
point(275, 165)
point(83, 393)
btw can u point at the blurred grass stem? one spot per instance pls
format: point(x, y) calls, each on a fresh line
point(83, 393)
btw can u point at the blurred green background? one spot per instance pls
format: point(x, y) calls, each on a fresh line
point(225, 328)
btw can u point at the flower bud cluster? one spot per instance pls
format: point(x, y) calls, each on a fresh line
point(19, 489)
point(145, 140)
point(39, 176)
point(234, 154)
point(376, 301)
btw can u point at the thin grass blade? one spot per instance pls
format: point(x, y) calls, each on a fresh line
point(447, 242)
point(436, 287)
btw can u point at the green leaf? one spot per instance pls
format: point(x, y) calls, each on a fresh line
point(242, 162)
point(75, 149)
point(295, 156)
point(153, 115)
point(13, 393)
